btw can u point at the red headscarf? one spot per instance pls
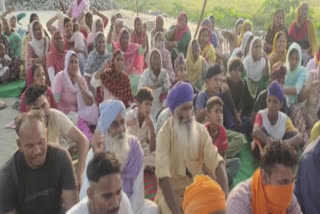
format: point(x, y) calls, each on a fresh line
point(180, 32)
point(55, 58)
point(132, 58)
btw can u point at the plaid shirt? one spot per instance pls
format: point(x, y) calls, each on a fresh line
point(239, 200)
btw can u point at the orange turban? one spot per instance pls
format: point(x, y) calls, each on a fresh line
point(203, 196)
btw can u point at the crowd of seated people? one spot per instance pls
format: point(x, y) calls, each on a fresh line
point(101, 110)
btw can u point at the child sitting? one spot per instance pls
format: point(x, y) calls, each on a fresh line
point(271, 124)
point(141, 125)
point(4, 64)
point(219, 135)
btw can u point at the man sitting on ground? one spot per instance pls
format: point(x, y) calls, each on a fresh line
point(105, 193)
point(111, 135)
point(58, 124)
point(184, 149)
point(39, 177)
point(270, 190)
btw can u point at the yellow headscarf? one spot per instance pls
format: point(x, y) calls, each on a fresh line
point(274, 49)
point(246, 24)
point(203, 196)
point(194, 67)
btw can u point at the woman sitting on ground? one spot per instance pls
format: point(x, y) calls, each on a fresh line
point(159, 43)
point(72, 94)
point(232, 36)
point(133, 57)
point(207, 50)
point(111, 82)
point(139, 36)
point(178, 37)
point(196, 65)
point(246, 26)
point(279, 50)
point(38, 48)
point(276, 26)
point(37, 76)
point(158, 28)
point(302, 31)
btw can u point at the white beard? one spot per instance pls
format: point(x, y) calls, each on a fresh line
point(119, 145)
point(187, 135)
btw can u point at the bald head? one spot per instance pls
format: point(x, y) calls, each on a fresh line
point(32, 138)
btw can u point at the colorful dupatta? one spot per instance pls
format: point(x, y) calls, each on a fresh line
point(208, 52)
point(194, 67)
point(133, 56)
point(180, 32)
point(136, 38)
point(282, 58)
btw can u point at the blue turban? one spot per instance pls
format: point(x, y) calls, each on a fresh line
point(109, 110)
point(276, 90)
point(181, 93)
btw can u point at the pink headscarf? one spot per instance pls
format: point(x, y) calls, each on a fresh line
point(180, 33)
point(132, 58)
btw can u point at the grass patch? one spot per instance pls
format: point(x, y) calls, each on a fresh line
point(259, 11)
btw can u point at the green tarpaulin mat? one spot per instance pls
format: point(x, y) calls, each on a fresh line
point(248, 164)
point(12, 89)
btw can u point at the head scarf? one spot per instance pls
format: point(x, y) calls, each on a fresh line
point(40, 47)
point(208, 52)
point(254, 68)
point(181, 93)
point(276, 90)
point(294, 46)
point(194, 67)
point(179, 61)
point(109, 110)
point(95, 60)
point(239, 21)
point(204, 28)
point(246, 23)
point(88, 113)
point(274, 47)
point(180, 32)
point(117, 83)
point(317, 56)
point(203, 196)
point(269, 198)
point(245, 41)
point(132, 58)
point(61, 18)
point(94, 32)
point(161, 46)
point(139, 39)
point(55, 58)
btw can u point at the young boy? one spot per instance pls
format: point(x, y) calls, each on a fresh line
point(235, 81)
point(213, 84)
point(278, 74)
point(219, 135)
point(140, 124)
point(271, 124)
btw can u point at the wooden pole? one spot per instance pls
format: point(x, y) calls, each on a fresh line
point(200, 18)
point(137, 6)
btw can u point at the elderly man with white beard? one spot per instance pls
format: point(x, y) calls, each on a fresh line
point(111, 135)
point(184, 149)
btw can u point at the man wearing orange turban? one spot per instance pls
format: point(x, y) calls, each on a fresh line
point(270, 190)
point(204, 196)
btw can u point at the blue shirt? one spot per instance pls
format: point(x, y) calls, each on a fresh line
point(307, 188)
